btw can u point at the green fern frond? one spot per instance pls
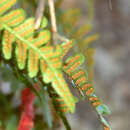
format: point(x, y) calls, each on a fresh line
point(81, 82)
point(33, 50)
point(78, 33)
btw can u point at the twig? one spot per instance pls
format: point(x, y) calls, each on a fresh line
point(55, 35)
point(39, 14)
point(53, 15)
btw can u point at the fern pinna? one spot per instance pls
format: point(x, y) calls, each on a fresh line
point(32, 52)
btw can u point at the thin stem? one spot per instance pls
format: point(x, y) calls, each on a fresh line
point(55, 35)
point(39, 14)
point(53, 15)
point(65, 121)
point(58, 37)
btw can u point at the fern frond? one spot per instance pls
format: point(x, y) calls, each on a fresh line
point(79, 34)
point(69, 18)
point(33, 51)
point(81, 82)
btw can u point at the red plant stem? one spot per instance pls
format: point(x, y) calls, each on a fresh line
point(27, 114)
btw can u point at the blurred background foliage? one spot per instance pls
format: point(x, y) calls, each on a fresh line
point(109, 31)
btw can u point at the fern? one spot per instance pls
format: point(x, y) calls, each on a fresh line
point(81, 82)
point(33, 50)
point(34, 54)
point(79, 34)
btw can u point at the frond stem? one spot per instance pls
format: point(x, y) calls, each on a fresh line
point(53, 15)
